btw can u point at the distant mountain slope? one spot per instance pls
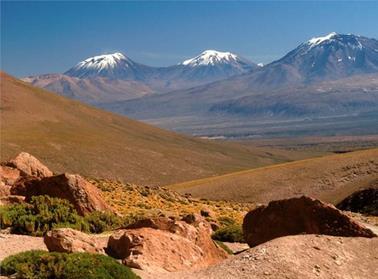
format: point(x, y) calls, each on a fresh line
point(70, 136)
point(115, 77)
point(330, 178)
point(346, 96)
point(331, 76)
point(91, 90)
point(324, 58)
point(225, 99)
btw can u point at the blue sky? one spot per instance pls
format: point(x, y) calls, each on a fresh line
point(48, 37)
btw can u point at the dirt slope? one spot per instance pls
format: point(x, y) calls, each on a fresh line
point(302, 256)
point(68, 135)
point(329, 178)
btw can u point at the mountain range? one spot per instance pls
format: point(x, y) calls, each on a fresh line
point(115, 77)
point(324, 77)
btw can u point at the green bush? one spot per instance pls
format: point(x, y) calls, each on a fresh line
point(44, 213)
point(226, 221)
point(230, 233)
point(41, 215)
point(99, 222)
point(41, 265)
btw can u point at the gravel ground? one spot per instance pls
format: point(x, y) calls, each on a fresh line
point(12, 244)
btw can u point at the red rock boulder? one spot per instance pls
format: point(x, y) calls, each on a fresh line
point(84, 196)
point(294, 216)
point(177, 246)
point(28, 165)
point(69, 241)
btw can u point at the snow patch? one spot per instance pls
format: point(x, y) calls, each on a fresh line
point(319, 40)
point(260, 64)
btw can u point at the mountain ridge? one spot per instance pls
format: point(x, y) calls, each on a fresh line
point(106, 70)
point(293, 87)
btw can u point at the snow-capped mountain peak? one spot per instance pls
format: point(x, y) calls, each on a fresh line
point(113, 66)
point(211, 57)
point(101, 62)
point(346, 40)
point(330, 57)
point(318, 40)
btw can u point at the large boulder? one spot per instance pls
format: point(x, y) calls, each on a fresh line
point(70, 241)
point(84, 196)
point(303, 215)
point(177, 246)
point(28, 165)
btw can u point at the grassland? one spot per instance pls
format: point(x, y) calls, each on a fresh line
point(146, 201)
point(69, 136)
point(330, 178)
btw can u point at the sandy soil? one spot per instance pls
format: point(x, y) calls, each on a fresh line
point(303, 256)
point(12, 244)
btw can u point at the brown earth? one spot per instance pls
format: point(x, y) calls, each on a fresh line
point(70, 136)
point(11, 244)
point(294, 216)
point(296, 257)
point(330, 179)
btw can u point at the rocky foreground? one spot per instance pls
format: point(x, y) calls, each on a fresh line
point(299, 237)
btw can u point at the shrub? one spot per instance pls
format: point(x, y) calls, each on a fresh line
point(41, 265)
point(226, 221)
point(230, 233)
point(99, 222)
point(44, 213)
point(41, 215)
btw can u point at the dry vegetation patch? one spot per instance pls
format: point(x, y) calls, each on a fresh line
point(150, 201)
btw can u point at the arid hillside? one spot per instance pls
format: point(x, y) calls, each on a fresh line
point(330, 178)
point(71, 136)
